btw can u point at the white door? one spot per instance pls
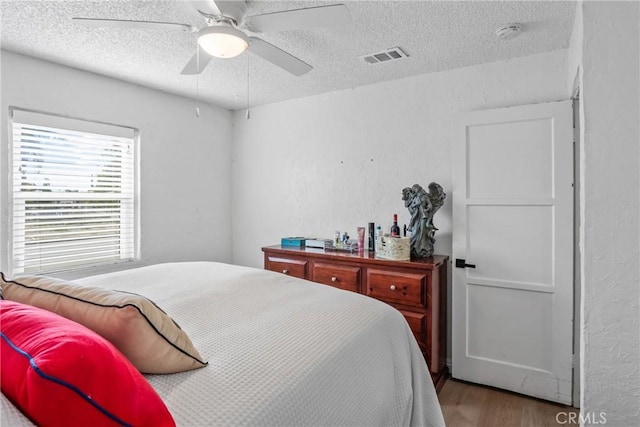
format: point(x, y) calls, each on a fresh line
point(513, 227)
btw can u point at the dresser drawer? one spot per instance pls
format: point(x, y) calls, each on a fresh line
point(339, 276)
point(418, 324)
point(291, 267)
point(401, 288)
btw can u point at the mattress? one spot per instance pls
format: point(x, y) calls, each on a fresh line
point(281, 351)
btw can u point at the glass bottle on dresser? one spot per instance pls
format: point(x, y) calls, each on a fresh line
point(395, 230)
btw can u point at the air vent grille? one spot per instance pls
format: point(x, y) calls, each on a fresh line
point(385, 56)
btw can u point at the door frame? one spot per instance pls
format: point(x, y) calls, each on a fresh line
point(577, 255)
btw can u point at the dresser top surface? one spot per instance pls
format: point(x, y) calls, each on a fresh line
point(365, 256)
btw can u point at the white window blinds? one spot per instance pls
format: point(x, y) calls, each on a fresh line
point(73, 197)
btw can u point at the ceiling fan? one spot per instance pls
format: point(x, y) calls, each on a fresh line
point(225, 33)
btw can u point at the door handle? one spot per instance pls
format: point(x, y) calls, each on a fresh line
point(462, 263)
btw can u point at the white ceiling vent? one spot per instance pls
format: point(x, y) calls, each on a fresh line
point(385, 56)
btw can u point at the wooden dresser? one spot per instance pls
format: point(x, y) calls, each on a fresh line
point(418, 289)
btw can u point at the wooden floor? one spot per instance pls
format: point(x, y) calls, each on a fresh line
point(469, 405)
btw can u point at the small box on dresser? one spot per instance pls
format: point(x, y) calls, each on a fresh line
point(418, 289)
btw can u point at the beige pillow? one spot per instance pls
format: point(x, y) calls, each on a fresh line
point(145, 334)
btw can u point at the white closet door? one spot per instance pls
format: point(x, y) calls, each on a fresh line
point(513, 221)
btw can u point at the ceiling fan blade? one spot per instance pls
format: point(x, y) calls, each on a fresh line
point(124, 23)
point(194, 66)
point(313, 17)
point(206, 7)
point(232, 8)
point(278, 57)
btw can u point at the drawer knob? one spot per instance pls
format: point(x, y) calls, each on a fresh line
point(392, 287)
point(334, 279)
point(285, 271)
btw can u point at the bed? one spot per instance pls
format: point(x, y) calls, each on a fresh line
point(281, 351)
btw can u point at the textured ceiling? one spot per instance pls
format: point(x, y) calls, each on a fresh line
point(437, 35)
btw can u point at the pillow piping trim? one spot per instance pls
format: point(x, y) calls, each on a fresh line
point(115, 306)
point(62, 383)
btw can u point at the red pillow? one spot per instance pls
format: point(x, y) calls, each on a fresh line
point(59, 373)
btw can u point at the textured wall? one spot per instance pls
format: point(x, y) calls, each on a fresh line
point(185, 168)
point(611, 212)
point(336, 161)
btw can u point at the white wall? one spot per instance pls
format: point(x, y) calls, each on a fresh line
point(610, 96)
point(575, 49)
point(336, 161)
point(339, 160)
point(185, 168)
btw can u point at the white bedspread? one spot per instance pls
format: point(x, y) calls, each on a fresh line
point(283, 351)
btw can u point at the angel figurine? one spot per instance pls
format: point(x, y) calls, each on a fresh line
point(422, 205)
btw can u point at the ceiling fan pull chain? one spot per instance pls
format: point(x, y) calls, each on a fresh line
point(197, 80)
point(248, 115)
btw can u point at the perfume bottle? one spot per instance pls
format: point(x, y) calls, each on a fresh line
point(372, 237)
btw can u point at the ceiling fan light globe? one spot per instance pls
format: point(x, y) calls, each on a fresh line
point(223, 41)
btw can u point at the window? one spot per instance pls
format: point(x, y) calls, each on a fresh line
point(74, 194)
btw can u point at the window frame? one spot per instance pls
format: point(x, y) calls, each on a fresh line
point(86, 126)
